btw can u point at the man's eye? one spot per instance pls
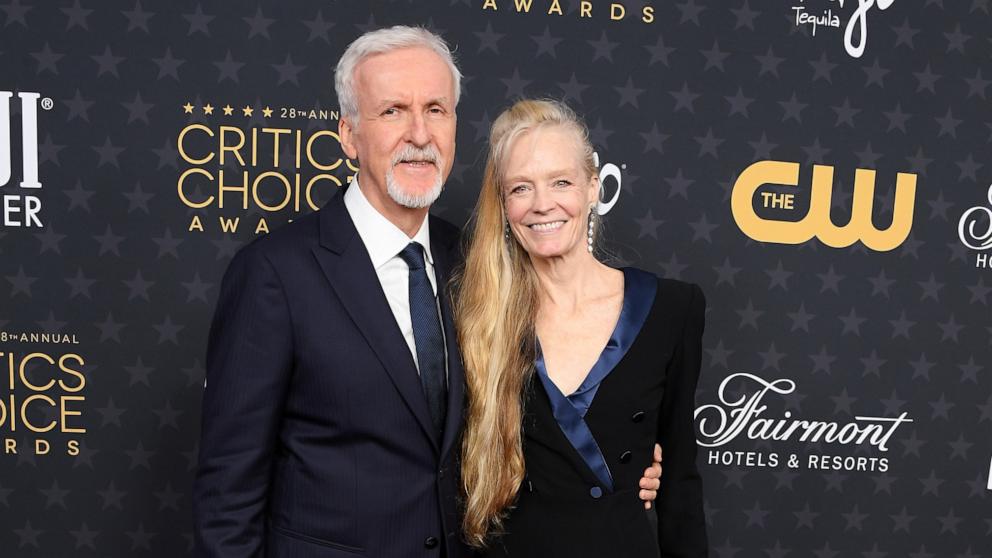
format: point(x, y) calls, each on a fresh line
point(389, 112)
point(562, 183)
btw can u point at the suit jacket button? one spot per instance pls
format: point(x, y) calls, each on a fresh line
point(638, 416)
point(625, 457)
point(430, 542)
point(595, 492)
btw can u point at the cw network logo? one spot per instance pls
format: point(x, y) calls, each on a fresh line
point(817, 221)
point(14, 205)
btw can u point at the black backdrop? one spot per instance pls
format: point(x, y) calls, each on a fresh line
point(109, 285)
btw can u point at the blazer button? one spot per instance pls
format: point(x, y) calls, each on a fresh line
point(430, 542)
point(595, 492)
point(625, 457)
point(638, 416)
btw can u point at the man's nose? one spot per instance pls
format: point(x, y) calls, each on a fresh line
point(418, 133)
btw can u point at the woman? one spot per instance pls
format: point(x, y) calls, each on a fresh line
point(574, 369)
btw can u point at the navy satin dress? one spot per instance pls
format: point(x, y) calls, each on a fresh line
point(585, 452)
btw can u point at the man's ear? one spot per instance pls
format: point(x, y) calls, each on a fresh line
point(346, 133)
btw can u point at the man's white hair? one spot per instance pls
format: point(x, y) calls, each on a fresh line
point(378, 42)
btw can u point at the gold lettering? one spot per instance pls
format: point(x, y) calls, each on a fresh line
point(24, 412)
point(182, 194)
point(523, 4)
point(182, 147)
point(195, 224)
point(275, 143)
point(71, 372)
point(490, 4)
point(243, 188)
point(225, 147)
point(229, 226)
point(312, 159)
point(585, 9)
point(24, 378)
point(66, 413)
point(262, 226)
point(647, 14)
point(555, 8)
point(285, 182)
point(617, 12)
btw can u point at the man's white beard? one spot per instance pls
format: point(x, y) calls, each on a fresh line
point(413, 201)
point(395, 190)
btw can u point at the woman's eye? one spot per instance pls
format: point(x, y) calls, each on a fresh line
point(517, 189)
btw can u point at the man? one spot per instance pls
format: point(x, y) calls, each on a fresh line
point(334, 392)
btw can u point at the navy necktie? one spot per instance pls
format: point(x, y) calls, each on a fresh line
point(427, 334)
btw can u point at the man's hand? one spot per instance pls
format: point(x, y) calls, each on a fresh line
point(651, 480)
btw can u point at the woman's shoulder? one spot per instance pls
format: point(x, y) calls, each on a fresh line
point(671, 289)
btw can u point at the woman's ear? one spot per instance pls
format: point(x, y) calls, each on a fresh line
point(594, 190)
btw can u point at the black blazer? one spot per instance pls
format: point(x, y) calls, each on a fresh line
point(562, 508)
point(316, 436)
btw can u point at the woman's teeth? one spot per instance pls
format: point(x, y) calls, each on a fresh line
point(547, 227)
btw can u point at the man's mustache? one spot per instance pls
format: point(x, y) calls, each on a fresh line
point(412, 153)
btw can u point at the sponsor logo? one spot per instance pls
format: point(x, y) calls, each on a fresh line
point(856, 30)
point(21, 210)
point(975, 231)
point(608, 173)
point(817, 221)
point(747, 417)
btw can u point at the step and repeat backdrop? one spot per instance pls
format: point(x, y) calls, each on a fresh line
point(820, 167)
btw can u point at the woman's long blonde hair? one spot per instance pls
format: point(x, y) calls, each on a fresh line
point(495, 312)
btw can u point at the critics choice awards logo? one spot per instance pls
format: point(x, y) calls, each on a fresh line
point(266, 166)
point(43, 399)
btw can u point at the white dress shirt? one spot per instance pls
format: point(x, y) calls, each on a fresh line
point(384, 241)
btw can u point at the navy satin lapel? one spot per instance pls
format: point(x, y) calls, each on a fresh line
point(574, 427)
point(639, 289)
point(345, 261)
point(456, 373)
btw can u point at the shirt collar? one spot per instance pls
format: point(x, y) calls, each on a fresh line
point(382, 239)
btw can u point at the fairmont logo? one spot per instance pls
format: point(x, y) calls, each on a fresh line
point(723, 422)
point(975, 230)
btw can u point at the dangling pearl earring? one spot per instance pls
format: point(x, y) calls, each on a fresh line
point(506, 230)
point(591, 230)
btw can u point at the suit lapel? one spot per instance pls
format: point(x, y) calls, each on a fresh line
point(441, 248)
point(345, 261)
